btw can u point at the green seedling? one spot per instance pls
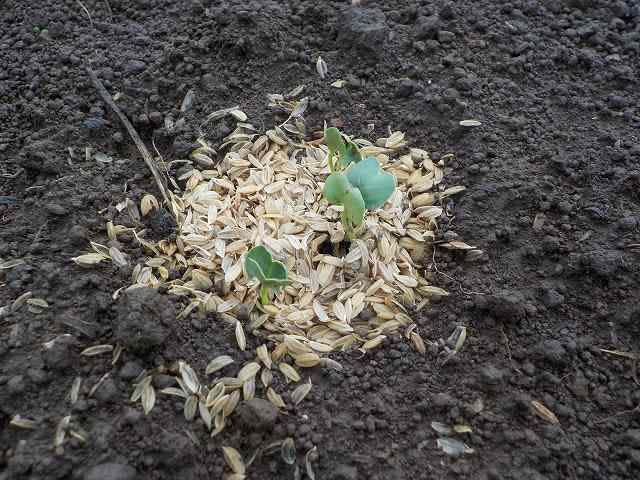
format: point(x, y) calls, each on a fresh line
point(375, 185)
point(364, 185)
point(271, 273)
point(347, 152)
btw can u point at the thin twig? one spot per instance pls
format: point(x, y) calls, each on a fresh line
point(435, 268)
point(164, 165)
point(148, 159)
point(85, 11)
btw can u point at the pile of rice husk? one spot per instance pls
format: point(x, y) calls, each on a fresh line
point(266, 189)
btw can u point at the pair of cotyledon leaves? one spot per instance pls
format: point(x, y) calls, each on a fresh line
point(364, 186)
point(259, 264)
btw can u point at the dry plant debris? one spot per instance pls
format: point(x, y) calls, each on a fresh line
point(544, 413)
point(266, 189)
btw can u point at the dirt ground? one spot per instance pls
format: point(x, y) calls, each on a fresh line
point(553, 199)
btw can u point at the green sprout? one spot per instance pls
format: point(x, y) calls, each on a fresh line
point(364, 185)
point(271, 273)
point(347, 152)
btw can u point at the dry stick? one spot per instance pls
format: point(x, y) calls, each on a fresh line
point(435, 267)
point(148, 159)
point(85, 11)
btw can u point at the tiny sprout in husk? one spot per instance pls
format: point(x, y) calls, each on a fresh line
point(271, 274)
point(363, 185)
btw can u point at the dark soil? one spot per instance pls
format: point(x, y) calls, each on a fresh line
point(555, 84)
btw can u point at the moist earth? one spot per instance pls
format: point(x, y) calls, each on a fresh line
point(553, 200)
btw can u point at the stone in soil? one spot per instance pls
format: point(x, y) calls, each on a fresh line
point(141, 318)
point(108, 391)
point(491, 377)
point(60, 354)
point(174, 449)
point(257, 414)
point(363, 30)
point(507, 305)
point(551, 298)
point(130, 370)
point(552, 351)
point(134, 67)
point(16, 385)
point(427, 27)
point(406, 88)
point(632, 438)
point(161, 223)
point(78, 235)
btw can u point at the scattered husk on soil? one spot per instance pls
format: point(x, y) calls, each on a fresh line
point(266, 189)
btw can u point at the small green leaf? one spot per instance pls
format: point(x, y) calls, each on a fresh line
point(333, 139)
point(277, 275)
point(259, 264)
point(254, 270)
point(351, 154)
point(335, 188)
point(375, 185)
point(354, 207)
